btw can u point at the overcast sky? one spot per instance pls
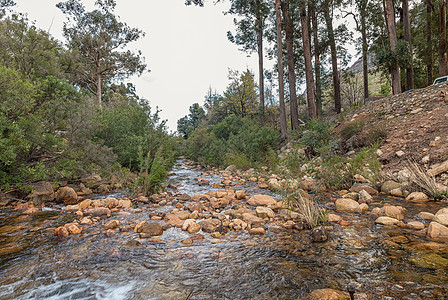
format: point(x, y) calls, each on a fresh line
point(185, 47)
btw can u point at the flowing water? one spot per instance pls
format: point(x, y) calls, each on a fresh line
point(283, 264)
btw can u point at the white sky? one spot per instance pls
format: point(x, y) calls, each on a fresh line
point(185, 47)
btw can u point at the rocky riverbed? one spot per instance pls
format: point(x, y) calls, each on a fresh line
point(216, 235)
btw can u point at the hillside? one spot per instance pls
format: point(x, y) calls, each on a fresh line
point(415, 123)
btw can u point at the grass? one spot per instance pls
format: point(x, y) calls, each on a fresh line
point(425, 181)
point(311, 213)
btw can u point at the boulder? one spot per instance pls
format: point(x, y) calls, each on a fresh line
point(61, 232)
point(390, 185)
point(66, 195)
point(41, 192)
point(391, 211)
point(191, 226)
point(251, 219)
point(415, 225)
point(328, 294)
point(92, 180)
point(362, 208)
point(73, 229)
point(386, 221)
point(261, 200)
point(111, 224)
point(346, 204)
point(425, 215)
point(264, 212)
point(257, 231)
point(318, 234)
point(437, 231)
point(151, 229)
point(364, 197)
point(368, 189)
point(441, 168)
point(441, 216)
point(209, 225)
point(309, 185)
point(417, 197)
point(98, 212)
point(124, 203)
point(85, 204)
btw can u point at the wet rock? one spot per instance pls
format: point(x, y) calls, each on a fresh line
point(188, 241)
point(263, 185)
point(362, 208)
point(368, 189)
point(415, 225)
point(261, 200)
point(400, 239)
point(66, 195)
point(209, 225)
point(86, 221)
point(73, 229)
point(334, 218)
point(11, 248)
point(191, 226)
point(257, 231)
point(345, 204)
point(433, 246)
point(364, 197)
point(386, 221)
point(152, 229)
point(251, 219)
point(397, 193)
point(328, 294)
point(318, 234)
point(203, 182)
point(390, 185)
point(109, 233)
point(441, 216)
point(23, 206)
point(85, 204)
point(309, 185)
point(112, 224)
point(425, 215)
point(183, 215)
point(98, 212)
point(241, 195)
point(129, 227)
point(437, 231)
point(353, 196)
point(264, 212)
point(195, 207)
point(429, 261)
point(125, 204)
point(184, 197)
point(41, 192)
point(61, 232)
point(72, 208)
point(392, 211)
point(417, 197)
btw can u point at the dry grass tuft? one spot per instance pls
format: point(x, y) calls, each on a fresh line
point(425, 181)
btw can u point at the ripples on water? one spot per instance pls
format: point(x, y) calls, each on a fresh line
point(281, 265)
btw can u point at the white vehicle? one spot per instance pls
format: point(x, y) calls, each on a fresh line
point(440, 80)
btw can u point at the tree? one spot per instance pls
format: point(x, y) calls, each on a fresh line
point(281, 85)
point(429, 57)
point(29, 50)
point(249, 33)
point(97, 40)
point(290, 60)
point(241, 95)
point(361, 6)
point(389, 12)
point(334, 58)
point(310, 91)
point(443, 67)
point(315, 29)
point(190, 122)
point(5, 5)
point(407, 38)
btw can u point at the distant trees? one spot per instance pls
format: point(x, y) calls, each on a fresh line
point(190, 122)
point(96, 40)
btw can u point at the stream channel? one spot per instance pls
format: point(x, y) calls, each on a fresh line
point(282, 264)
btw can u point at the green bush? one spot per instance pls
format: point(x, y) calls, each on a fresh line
point(316, 135)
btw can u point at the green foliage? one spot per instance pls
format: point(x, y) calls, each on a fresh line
point(316, 135)
point(376, 134)
point(189, 123)
point(385, 89)
point(235, 140)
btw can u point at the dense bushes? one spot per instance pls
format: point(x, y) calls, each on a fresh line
point(235, 140)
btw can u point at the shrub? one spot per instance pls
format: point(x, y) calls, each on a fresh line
point(351, 129)
point(376, 134)
point(316, 135)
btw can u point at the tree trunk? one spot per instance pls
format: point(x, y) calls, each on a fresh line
point(98, 88)
point(365, 67)
point(407, 37)
point(430, 59)
point(310, 91)
point(442, 40)
point(281, 87)
point(312, 12)
point(260, 55)
point(394, 69)
point(291, 70)
point(334, 59)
